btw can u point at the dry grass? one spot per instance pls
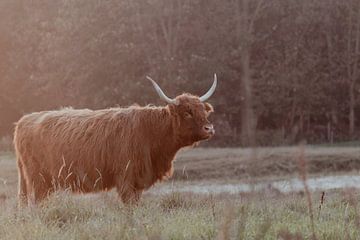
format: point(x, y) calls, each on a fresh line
point(180, 216)
point(189, 216)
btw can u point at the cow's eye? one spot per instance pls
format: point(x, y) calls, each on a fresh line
point(188, 115)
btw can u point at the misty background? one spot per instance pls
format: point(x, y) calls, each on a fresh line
point(288, 70)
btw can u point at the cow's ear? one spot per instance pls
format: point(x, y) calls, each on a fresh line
point(208, 107)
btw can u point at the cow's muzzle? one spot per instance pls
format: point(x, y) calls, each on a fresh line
point(209, 129)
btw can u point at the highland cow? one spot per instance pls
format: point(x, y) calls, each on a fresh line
point(127, 148)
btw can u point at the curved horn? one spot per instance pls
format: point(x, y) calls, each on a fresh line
point(160, 92)
point(207, 95)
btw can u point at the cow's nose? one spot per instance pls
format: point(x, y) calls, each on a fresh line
point(209, 128)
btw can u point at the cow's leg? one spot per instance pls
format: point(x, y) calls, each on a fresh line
point(38, 187)
point(30, 192)
point(22, 192)
point(43, 187)
point(129, 194)
point(131, 197)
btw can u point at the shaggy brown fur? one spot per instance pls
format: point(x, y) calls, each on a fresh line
point(86, 151)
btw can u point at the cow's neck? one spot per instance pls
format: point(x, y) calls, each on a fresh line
point(169, 141)
point(165, 147)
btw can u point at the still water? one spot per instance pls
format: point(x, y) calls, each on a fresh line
point(284, 186)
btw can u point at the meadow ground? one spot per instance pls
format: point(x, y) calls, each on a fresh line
point(253, 215)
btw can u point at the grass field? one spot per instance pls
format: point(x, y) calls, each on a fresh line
point(184, 216)
point(261, 215)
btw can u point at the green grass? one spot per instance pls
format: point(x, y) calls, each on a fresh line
point(182, 216)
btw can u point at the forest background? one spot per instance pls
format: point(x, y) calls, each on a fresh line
point(288, 70)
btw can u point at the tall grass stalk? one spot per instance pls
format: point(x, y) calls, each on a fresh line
point(303, 177)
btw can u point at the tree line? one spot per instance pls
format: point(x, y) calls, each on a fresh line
point(288, 70)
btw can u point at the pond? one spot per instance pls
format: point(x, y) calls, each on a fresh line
point(284, 186)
